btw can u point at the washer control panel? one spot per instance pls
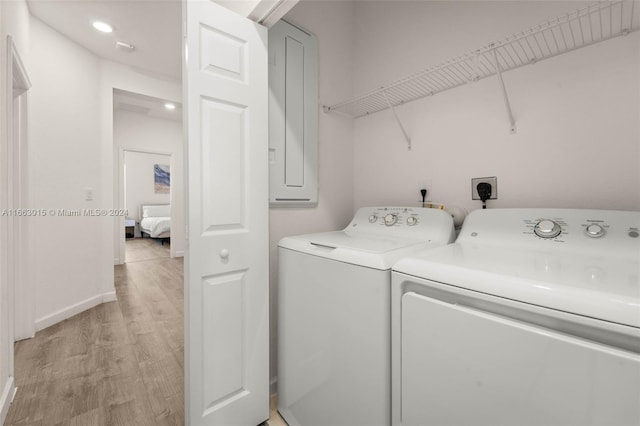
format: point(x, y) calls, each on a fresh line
point(390, 216)
point(409, 221)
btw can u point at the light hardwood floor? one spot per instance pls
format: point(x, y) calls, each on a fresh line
point(120, 363)
point(274, 416)
point(138, 249)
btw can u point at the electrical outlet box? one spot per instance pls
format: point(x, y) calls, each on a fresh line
point(493, 181)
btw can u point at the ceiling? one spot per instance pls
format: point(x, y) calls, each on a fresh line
point(146, 105)
point(152, 26)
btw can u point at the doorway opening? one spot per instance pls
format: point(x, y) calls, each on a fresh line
point(147, 227)
point(148, 142)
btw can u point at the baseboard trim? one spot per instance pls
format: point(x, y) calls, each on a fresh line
point(72, 310)
point(110, 296)
point(7, 397)
point(179, 253)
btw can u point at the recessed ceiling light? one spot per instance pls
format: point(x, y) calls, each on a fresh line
point(102, 27)
point(169, 105)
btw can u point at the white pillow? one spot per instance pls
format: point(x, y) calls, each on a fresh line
point(156, 211)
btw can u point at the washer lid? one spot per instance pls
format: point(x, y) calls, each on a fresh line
point(369, 250)
point(605, 287)
point(370, 243)
point(377, 237)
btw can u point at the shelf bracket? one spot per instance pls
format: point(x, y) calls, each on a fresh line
point(512, 123)
point(395, 114)
point(476, 68)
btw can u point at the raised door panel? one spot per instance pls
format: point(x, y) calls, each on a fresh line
point(223, 173)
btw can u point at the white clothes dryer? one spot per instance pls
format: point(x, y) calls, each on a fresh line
point(334, 308)
point(532, 317)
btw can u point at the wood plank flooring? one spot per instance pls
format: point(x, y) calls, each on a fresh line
point(120, 363)
point(274, 416)
point(138, 249)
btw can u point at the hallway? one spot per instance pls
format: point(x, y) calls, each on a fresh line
point(119, 363)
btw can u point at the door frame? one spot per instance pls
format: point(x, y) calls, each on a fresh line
point(121, 201)
point(268, 12)
point(20, 235)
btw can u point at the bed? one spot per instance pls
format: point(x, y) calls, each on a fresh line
point(155, 221)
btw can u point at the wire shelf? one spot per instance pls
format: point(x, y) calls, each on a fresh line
point(586, 26)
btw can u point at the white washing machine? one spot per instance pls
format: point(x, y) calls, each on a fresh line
point(532, 317)
point(334, 314)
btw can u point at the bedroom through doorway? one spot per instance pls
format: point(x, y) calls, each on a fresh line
point(148, 145)
point(147, 226)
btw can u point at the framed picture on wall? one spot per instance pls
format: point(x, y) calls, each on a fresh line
point(162, 178)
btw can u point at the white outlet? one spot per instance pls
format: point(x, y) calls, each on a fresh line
point(88, 194)
point(493, 181)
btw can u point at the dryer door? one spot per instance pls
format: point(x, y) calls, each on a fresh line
point(463, 366)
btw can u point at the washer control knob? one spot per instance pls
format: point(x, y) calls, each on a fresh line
point(412, 220)
point(390, 219)
point(373, 218)
point(547, 229)
point(594, 230)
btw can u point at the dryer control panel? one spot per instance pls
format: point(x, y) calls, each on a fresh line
point(565, 229)
point(552, 228)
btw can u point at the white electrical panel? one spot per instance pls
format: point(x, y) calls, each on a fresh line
point(293, 116)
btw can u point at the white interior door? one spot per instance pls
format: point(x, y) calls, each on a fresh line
point(226, 274)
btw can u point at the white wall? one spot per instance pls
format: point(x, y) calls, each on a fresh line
point(139, 179)
point(331, 22)
point(577, 115)
point(65, 163)
point(139, 132)
point(14, 21)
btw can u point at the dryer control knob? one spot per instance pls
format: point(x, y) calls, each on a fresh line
point(373, 218)
point(547, 229)
point(594, 230)
point(390, 219)
point(412, 220)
